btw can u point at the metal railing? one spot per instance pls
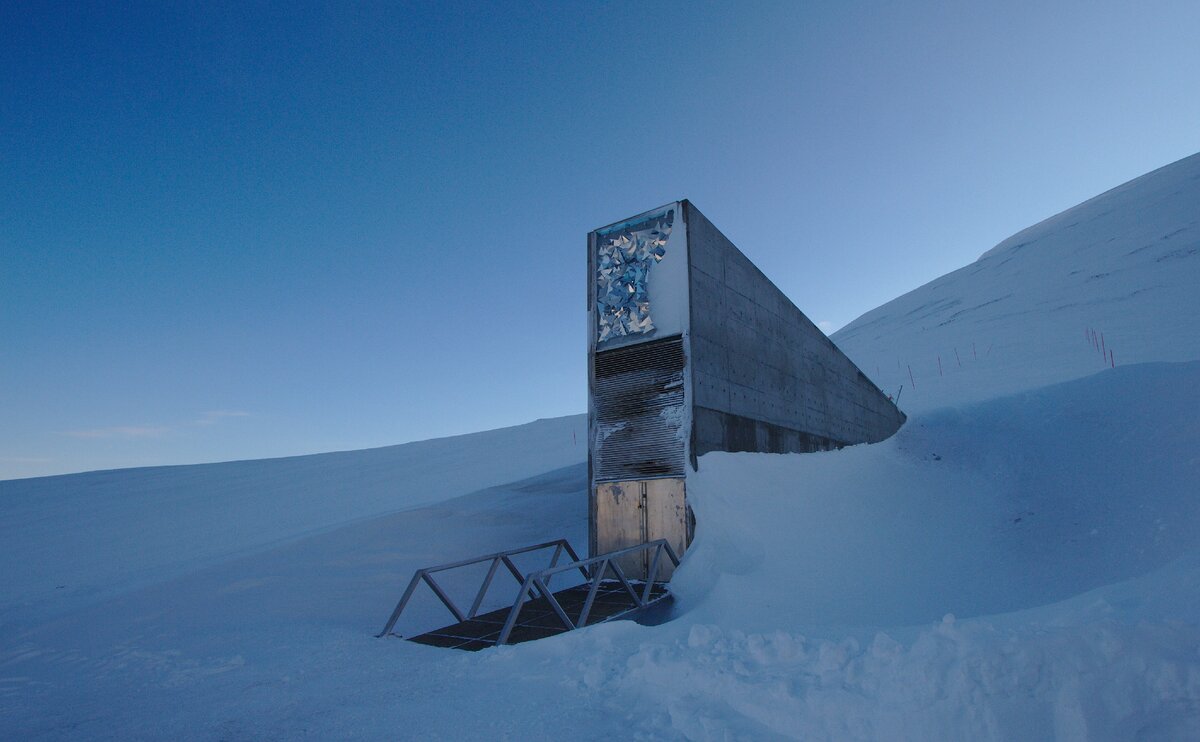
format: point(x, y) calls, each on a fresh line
point(497, 559)
point(594, 571)
point(541, 580)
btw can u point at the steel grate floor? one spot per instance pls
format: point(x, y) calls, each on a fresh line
point(538, 619)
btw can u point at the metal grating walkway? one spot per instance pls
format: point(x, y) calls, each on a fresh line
point(538, 619)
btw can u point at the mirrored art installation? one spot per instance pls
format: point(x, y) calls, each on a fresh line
point(625, 257)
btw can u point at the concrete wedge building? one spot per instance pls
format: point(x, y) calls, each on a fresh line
point(692, 349)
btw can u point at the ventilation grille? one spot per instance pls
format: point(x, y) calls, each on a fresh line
point(640, 415)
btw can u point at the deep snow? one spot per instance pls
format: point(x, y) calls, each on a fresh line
point(1125, 265)
point(81, 537)
point(1021, 561)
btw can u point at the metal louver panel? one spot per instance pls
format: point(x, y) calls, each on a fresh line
point(639, 409)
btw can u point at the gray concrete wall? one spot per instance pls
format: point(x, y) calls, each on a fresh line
point(764, 377)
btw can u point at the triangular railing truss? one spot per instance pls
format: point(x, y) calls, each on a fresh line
point(500, 558)
point(595, 570)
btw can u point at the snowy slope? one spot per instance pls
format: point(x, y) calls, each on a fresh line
point(997, 507)
point(1021, 561)
point(80, 537)
point(1125, 264)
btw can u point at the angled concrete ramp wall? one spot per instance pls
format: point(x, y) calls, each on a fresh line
point(764, 377)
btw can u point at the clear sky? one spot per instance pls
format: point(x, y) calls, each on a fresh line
point(246, 230)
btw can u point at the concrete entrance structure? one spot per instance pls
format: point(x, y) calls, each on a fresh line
point(692, 349)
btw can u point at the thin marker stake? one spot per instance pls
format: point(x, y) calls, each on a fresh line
point(939, 365)
point(910, 378)
point(957, 358)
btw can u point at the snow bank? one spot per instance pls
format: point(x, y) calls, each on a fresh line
point(955, 681)
point(990, 508)
point(1124, 265)
point(73, 539)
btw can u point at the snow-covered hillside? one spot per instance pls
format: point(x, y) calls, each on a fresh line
point(1124, 265)
point(1021, 561)
point(81, 537)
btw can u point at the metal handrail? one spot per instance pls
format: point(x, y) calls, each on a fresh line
point(501, 557)
point(540, 581)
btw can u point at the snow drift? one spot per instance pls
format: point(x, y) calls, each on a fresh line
point(71, 539)
point(1123, 265)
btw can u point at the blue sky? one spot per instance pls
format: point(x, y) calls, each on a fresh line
point(248, 230)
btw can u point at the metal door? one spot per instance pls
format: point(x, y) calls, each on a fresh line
point(635, 512)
